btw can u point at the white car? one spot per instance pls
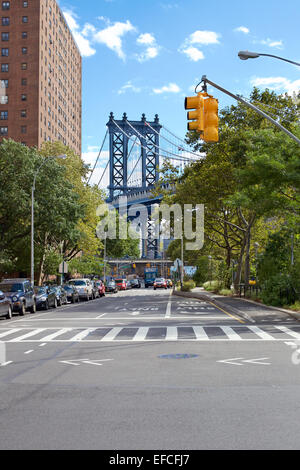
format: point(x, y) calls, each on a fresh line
point(84, 288)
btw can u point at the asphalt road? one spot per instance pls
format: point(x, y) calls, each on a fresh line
point(144, 370)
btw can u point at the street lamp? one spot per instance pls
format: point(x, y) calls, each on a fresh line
point(245, 55)
point(62, 157)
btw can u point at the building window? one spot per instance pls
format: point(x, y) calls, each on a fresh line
point(24, 81)
point(5, 36)
point(4, 67)
point(23, 129)
point(24, 35)
point(24, 66)
point(4, 99)
point(23, 113)
point(25, 4)
point(4, 83)
point(24, 19)
point(5, 5)
point(3, 130)
point(4, 52)
point(3, 115)
point(5, 21)
point(23, 97)
point(24, 50)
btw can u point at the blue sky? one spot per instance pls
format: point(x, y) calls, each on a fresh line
point(145, 56)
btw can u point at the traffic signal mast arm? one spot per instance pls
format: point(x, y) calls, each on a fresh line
point(238, 98)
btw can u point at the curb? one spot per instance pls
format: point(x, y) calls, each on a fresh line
point(289, 312)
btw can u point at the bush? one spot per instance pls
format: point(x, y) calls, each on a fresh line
point(212, 286)
point(278, 291)
point(295, 307)
point(225, 292)
point(187, 286)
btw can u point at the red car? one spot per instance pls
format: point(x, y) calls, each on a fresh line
point(101, 288)
point(121, 284)
point(160, 283)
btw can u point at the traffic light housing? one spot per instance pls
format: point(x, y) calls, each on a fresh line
point(204, 117)
point(211, 120)
point(197, 116)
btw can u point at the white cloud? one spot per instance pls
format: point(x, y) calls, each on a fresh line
point(112, 36)
point(198, 38)
point(89, 157)
point(277, 83)
point(270, 43)
point(242, 29)
point(129, 87)
point(146, 38)
point(152, 49)
point(193, 53)
point(83, 43)
point(170, 88)
point(204, 38)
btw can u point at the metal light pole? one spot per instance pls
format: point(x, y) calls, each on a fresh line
point(104, 257)
point(62, 157)
point(245, 55)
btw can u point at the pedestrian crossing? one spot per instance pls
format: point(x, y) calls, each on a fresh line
point(151, 333)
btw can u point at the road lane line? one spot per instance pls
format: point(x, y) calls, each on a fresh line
point(200, 333)
point(141, 334)
point(169, 307)
point(110, 336)
point(172, 333)
point(83, 334)
point(227, 313)
point(232, 335)
point(54, 335)
point(27, 335)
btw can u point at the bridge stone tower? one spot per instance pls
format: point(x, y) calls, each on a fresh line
point(121, 132)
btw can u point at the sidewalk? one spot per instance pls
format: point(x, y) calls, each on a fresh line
point(249, 309)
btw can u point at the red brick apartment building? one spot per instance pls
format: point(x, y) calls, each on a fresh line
point(40, 75)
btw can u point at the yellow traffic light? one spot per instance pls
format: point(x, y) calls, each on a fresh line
point(197, 116)
point(211, 120)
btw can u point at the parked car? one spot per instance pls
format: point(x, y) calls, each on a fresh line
point(45, 298)
point(111, 287)
point(169, 283)
point(96, 293)
point(160, 283)
point(5, 306)
point(71, 293)
point(101, 288)
point(121, 283)
point(61, 295)
point(84, 287)
point(135, 284)
point(21, 294)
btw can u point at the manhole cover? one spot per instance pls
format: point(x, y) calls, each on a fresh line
point(178, 356)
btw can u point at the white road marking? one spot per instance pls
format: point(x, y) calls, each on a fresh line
point(110, 336)
point(27, 335)
point(172, 333)
point(6, 333)
point(29, 352)
point(54, 335)
point(230, 333)
point(141, 334)
point(6, 363)
point(169, 307)
point(200, 333)
point(288, 331)
point(262, 334)
point(83, 334)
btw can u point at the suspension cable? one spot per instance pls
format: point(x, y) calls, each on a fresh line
point(177, 157)
point(98, 156)
point(157, 146)
point(169, 141)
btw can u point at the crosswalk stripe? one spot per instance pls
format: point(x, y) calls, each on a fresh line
point(259, 332)
point(27, 335)
point(110, 336)
point(83, 334)
point(288, 331)
point(140, 334)
point(172, 333)
point(6, 333)
point(232, 335)
point(200, 333)
point(54, 335)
